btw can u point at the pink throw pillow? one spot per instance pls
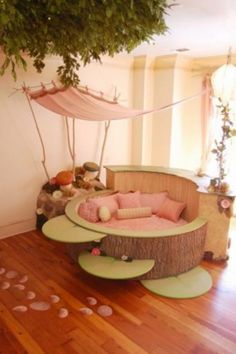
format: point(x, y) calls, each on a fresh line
point(153, 200)
point(129, 200)
point(109, 201)
point(171, 210)
point(88, 211)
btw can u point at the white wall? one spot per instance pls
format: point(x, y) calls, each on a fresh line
point(22, 174)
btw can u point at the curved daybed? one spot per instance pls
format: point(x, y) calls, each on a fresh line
point(174, 250)
point(166, 261)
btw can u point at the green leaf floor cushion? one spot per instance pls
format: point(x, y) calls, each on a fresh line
point(112, 268)
point(62, 229)
point(193, 283)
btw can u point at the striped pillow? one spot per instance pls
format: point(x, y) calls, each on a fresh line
point(132, 213)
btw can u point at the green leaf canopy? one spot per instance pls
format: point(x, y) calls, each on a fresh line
point(75, 30)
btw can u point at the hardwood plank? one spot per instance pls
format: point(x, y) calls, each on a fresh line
point(19, 331)
point(142, 322)
point(102, 299)
point(191, 327)
point(112, 346)
point(100, 323)
point(86, 343)
point(14, 346)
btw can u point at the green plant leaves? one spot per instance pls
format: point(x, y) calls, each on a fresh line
point(221, 145)
point(83, 30)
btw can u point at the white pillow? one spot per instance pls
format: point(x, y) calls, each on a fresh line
point(104, 213)
point(132, 213)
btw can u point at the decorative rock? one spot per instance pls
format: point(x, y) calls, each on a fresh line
point(63, 312)
point(19, 286)
point(39, 211)
point(5, 285)
point(11, 274)
point(91, 300)
point(40, 306)
point(2, 270)
point(91, 166)
point(86, 311)
point(20, 308)
point(30, 295)
point(104, 311)
point(54, 299)
point(24, 279)
point(57, 195)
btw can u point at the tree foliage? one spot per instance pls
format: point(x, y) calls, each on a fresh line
point(76, 30)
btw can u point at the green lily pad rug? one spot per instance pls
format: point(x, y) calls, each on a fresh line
point(193, 283)
point(62, 229)
point(112, 268)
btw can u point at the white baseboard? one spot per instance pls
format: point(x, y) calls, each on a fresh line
point(17, 228)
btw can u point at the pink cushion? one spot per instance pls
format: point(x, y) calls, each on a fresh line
point(109, 201)
point(129, 200)
point(171, 210)
point(133, 213)
point(153, 200)
point(89, 211)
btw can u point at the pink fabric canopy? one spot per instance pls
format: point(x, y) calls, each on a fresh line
point(80, 103)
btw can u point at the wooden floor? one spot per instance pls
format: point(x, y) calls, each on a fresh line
point(141, 323)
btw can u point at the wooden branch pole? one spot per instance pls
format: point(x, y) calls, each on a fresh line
point(107, 125)
point(39, 134)
point(68, 138)
point(73, 147)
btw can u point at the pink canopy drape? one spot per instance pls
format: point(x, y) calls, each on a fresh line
point(83, 104)
point(79, 103)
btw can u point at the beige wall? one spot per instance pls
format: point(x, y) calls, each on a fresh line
point(143, 93)
point(186, 117)
point(22, 174)
point(169, 138)
point(162, 121)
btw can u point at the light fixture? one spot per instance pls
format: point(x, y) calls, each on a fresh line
point(182, 50)
point(224, 81)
